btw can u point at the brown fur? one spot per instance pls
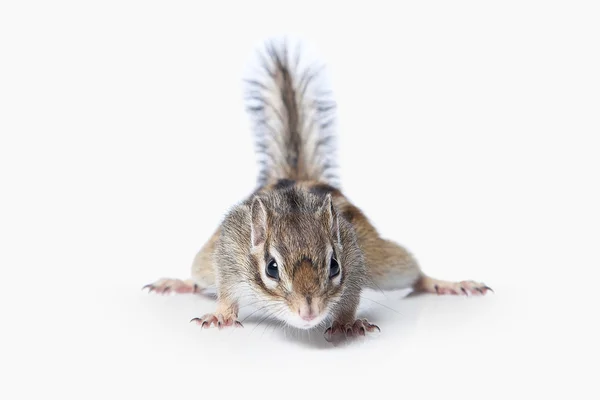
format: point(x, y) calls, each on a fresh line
point(299, 222)
point(383, 257)
point(384, 261)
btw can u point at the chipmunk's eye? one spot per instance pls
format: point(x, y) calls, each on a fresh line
point(272, 270)
point(334, 268)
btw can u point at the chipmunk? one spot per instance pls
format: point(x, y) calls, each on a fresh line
point(297, 247)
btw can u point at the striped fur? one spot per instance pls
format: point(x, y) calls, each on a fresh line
point(298, 222)
point(293, 118)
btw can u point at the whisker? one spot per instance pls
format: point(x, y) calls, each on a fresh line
point(382, 305)
point(262, 320)
point(254, 312)
point(254, 303)
point(278, 313)
point(377, 286)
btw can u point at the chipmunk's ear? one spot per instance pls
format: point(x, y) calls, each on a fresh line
point(258, 234)
point(329, 215)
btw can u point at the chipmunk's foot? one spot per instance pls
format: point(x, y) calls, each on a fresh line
point(166, 286)
point(467, 288)
point(218, 320)
point(360, 327)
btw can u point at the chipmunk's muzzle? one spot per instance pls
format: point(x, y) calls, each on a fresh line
point(306, 304)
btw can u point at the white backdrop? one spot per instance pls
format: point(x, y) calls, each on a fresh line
point(468, 132)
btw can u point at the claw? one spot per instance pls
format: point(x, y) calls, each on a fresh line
point(489, 288)
point(464, 291)
point(360, 327)
point(208, 320)
point(148, 286)
point(166, 289)
point(195, 287)
point(437, 289)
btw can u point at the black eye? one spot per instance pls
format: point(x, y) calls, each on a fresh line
point(334, 268)
point(272, 270)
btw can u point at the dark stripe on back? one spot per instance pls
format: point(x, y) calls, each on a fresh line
point(293, 199)
point(283, 184)
point(322, 189)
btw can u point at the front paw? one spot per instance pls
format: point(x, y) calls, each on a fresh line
point(338, 330)
point(218, 320)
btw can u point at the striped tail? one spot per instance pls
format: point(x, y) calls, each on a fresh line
point(293, 117)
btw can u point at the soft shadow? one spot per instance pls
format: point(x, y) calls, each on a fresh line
point(394, 312)
point(269, 328)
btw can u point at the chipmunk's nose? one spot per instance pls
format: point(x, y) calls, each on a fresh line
point(309, 317)
point(308, 311)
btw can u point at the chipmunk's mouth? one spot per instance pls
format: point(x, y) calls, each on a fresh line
point(302, 323)
point(308, 325)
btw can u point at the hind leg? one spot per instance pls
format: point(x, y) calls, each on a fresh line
point(203, 276)
point(169, 285)
point(430, 285)
point(393, 267)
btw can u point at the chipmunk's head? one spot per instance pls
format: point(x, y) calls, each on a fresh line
point(298, 255)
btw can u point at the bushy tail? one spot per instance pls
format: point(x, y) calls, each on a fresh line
point(293, 117)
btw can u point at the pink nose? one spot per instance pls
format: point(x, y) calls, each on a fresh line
point(308, 317)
